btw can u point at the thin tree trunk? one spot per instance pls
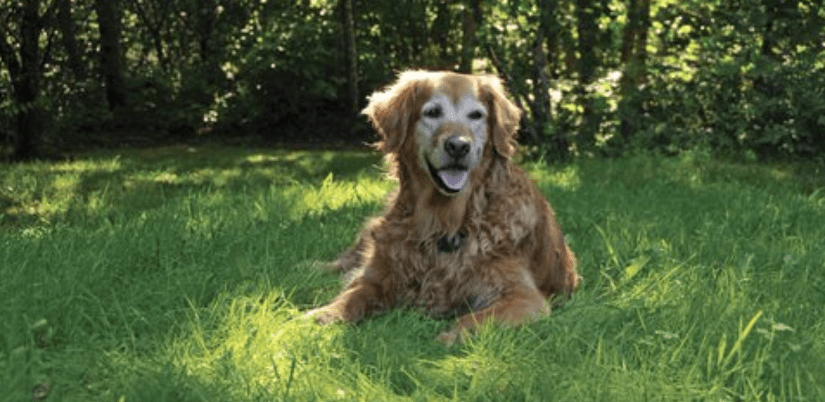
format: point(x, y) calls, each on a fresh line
point(208, 51)
point(155, 28)
point(587, 29)
point(438, 34)
point(471, 20)
point(629, 31)
point(25, 75)
point(546, 29)
point(551, 35)
point(108, 18)
point(541, 90)
point(67, 28)
point(641, 37)
point(348, 27)
point(634, 56)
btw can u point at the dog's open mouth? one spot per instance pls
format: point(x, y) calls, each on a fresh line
point(450, 179)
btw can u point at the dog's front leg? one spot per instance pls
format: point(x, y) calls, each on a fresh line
point(360, 298)
point(521, 303)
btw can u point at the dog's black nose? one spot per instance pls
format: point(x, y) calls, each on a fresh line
point(457, 146)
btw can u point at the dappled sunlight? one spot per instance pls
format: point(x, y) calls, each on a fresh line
point(259, 344)
point(256, 345)
point(697, 170)
point(332, 195)
point(41, 193)
point(566, 179)
point(315, 163)
point(184, 273)
point(37, 192)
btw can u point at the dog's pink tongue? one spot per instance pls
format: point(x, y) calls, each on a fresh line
point(454, 179)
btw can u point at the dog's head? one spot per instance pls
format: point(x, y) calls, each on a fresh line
point(444, 124)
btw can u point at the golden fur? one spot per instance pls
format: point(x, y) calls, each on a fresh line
point(510, 253)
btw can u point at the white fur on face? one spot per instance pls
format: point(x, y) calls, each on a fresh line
point(469, 112)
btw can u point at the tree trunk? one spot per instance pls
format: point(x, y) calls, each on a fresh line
point(768, 41)
point(67, 28)
point(629, 31)
point(108, 19)
point(155, 28)
point(546, 30)
point(551, 35)
point(541, 90)
point(438, 34)
point(348, 27)
point(29, 118)
point(641, 48)
point(587, 28)
point(634, 56)
point(25, 76)
point(471, 19)
point(205, 27)
point(209, 53)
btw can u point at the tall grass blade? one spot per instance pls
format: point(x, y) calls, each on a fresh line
point(743, 334)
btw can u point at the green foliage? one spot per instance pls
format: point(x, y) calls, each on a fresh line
point(290, 75)
point(180, 273)
point(736, 77)
point(717, 85)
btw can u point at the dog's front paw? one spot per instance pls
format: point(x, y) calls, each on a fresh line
point(324, 315)
point(447, 338)
point(450, 337)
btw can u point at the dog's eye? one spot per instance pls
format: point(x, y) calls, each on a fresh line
point(475, 115)
point(433, 112)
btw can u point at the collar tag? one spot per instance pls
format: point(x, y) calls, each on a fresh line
point(449, 244)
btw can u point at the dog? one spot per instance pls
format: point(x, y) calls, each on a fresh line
point(466, 234)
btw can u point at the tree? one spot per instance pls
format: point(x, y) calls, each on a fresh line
point(470, 20)
point(348, 28)
point(540, 106)
point(587, 28)
point(728, 75)
point(25, 71)
point(634, 58)
point(68, 36)
point(108, 19)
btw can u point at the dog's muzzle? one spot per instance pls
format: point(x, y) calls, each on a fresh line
point(452, 177)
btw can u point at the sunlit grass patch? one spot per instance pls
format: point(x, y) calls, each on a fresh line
point(255, 339)
point(182, 273)
point(564, 178)
point(332, 195)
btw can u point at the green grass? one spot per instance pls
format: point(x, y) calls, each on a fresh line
point(177, 274)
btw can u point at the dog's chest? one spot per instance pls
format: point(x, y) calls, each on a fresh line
point(443, 278)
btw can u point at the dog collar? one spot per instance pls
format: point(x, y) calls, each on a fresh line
point(449, 244)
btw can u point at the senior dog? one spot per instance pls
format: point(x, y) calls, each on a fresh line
point(466, 233)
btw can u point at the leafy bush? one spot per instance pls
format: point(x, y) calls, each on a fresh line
point(289, 76)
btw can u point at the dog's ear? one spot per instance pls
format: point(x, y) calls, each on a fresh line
point(503, 114)
point(390, 111)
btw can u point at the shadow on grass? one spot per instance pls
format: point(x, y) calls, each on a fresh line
point(135, 181)
point(627, 218)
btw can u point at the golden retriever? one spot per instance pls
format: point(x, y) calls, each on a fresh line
point(466, 233)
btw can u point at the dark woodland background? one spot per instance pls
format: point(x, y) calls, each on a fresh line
point(594, 77)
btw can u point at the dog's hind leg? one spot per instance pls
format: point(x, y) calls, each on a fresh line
point(514, 310)
point(521, 303)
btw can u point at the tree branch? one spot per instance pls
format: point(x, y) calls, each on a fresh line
point(8, 56)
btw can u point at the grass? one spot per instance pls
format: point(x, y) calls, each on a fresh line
point(177, 274)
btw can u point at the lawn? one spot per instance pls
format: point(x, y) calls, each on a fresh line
point(180, 274)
